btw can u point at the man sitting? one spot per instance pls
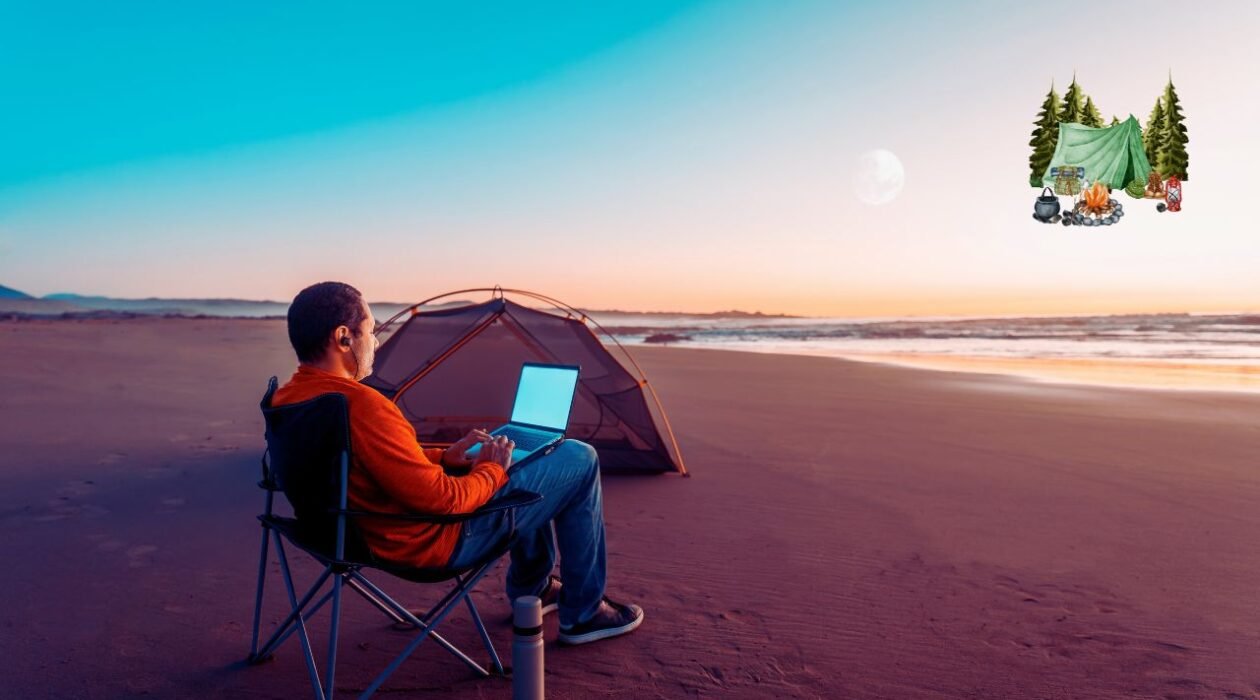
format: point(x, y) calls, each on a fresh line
point(330, 327)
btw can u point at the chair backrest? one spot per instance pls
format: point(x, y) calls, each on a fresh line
point(306, 443)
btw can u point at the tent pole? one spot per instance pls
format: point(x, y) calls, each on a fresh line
point(669, 429)
point(462, 341)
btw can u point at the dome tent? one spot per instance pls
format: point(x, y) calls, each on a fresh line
point(454, 367)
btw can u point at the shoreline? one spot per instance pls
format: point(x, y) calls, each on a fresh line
point(1102, 372)
point(1109, 373)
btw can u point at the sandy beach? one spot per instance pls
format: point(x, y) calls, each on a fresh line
point(851, 530)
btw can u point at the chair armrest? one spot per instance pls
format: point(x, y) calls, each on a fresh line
point(508, 502)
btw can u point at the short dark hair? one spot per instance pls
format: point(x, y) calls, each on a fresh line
point(316, 311)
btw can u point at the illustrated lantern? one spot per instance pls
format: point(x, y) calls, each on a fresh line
point(1173, 193)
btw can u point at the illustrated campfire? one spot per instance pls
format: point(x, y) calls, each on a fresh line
point(1095, 208)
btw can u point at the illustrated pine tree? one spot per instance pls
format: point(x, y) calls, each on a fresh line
point(1073, 109)
point(1153, 135)
point(1091, 116)
point(1045, 137)
point(1115, 121)
point(1172, 156)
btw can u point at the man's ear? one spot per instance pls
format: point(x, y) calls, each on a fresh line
point(341, 337)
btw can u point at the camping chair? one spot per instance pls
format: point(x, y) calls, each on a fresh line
point(308, 445)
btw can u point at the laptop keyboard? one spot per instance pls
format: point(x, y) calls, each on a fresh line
point(527, 440)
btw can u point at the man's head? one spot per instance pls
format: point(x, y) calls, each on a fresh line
point(330, 327)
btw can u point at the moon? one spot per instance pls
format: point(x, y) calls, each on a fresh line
point(879, 177)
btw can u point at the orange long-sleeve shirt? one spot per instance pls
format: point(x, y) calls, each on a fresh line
point(391, 473)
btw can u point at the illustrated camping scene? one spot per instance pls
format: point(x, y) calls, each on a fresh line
point(1079, 158)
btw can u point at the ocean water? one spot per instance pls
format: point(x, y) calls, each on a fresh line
point(1181, 338)
point(1178, 351)
point(1190, 350)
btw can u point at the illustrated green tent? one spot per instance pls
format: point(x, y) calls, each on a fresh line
point(1112, 155)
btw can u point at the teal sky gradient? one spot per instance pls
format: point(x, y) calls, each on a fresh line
point(97, 84)
point(690, 156)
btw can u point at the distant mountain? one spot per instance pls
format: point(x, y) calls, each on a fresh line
point(8, 293)
point(66, 296)
point(37, 307)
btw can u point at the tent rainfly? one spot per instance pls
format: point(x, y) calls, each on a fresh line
point(1111, 155)
point(454, 368)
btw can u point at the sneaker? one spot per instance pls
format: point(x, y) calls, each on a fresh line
point(612, 619)
point(550, 596)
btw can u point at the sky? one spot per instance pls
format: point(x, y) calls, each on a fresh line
point(689, 156)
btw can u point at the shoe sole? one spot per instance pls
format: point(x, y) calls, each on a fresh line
point(595, 636)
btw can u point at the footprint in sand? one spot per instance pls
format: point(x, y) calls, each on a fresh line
point(735, 615)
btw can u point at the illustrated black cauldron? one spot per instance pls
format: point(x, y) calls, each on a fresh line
point(1046, 206)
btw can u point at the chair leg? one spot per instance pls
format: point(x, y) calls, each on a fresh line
point(410, 617)
point(481, 629)
point(302, 610)
point(289, 629)
point(463, 589)
point(311, 611)
point(297, 614)
point(446, 599)
point(376, 602)
point(331, 661)
point(286, 626)
point(258, 596)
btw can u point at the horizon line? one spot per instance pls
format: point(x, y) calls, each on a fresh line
point(721, 312)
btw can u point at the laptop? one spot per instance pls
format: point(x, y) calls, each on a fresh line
point(540, 412)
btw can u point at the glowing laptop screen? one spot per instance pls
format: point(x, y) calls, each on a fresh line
point(545, 396)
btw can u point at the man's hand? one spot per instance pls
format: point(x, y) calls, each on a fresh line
point(497, 450)
point(455, 455)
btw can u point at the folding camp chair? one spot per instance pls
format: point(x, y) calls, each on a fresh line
point(308, 460)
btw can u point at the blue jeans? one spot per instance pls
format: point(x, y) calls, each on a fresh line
point(568, 481)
